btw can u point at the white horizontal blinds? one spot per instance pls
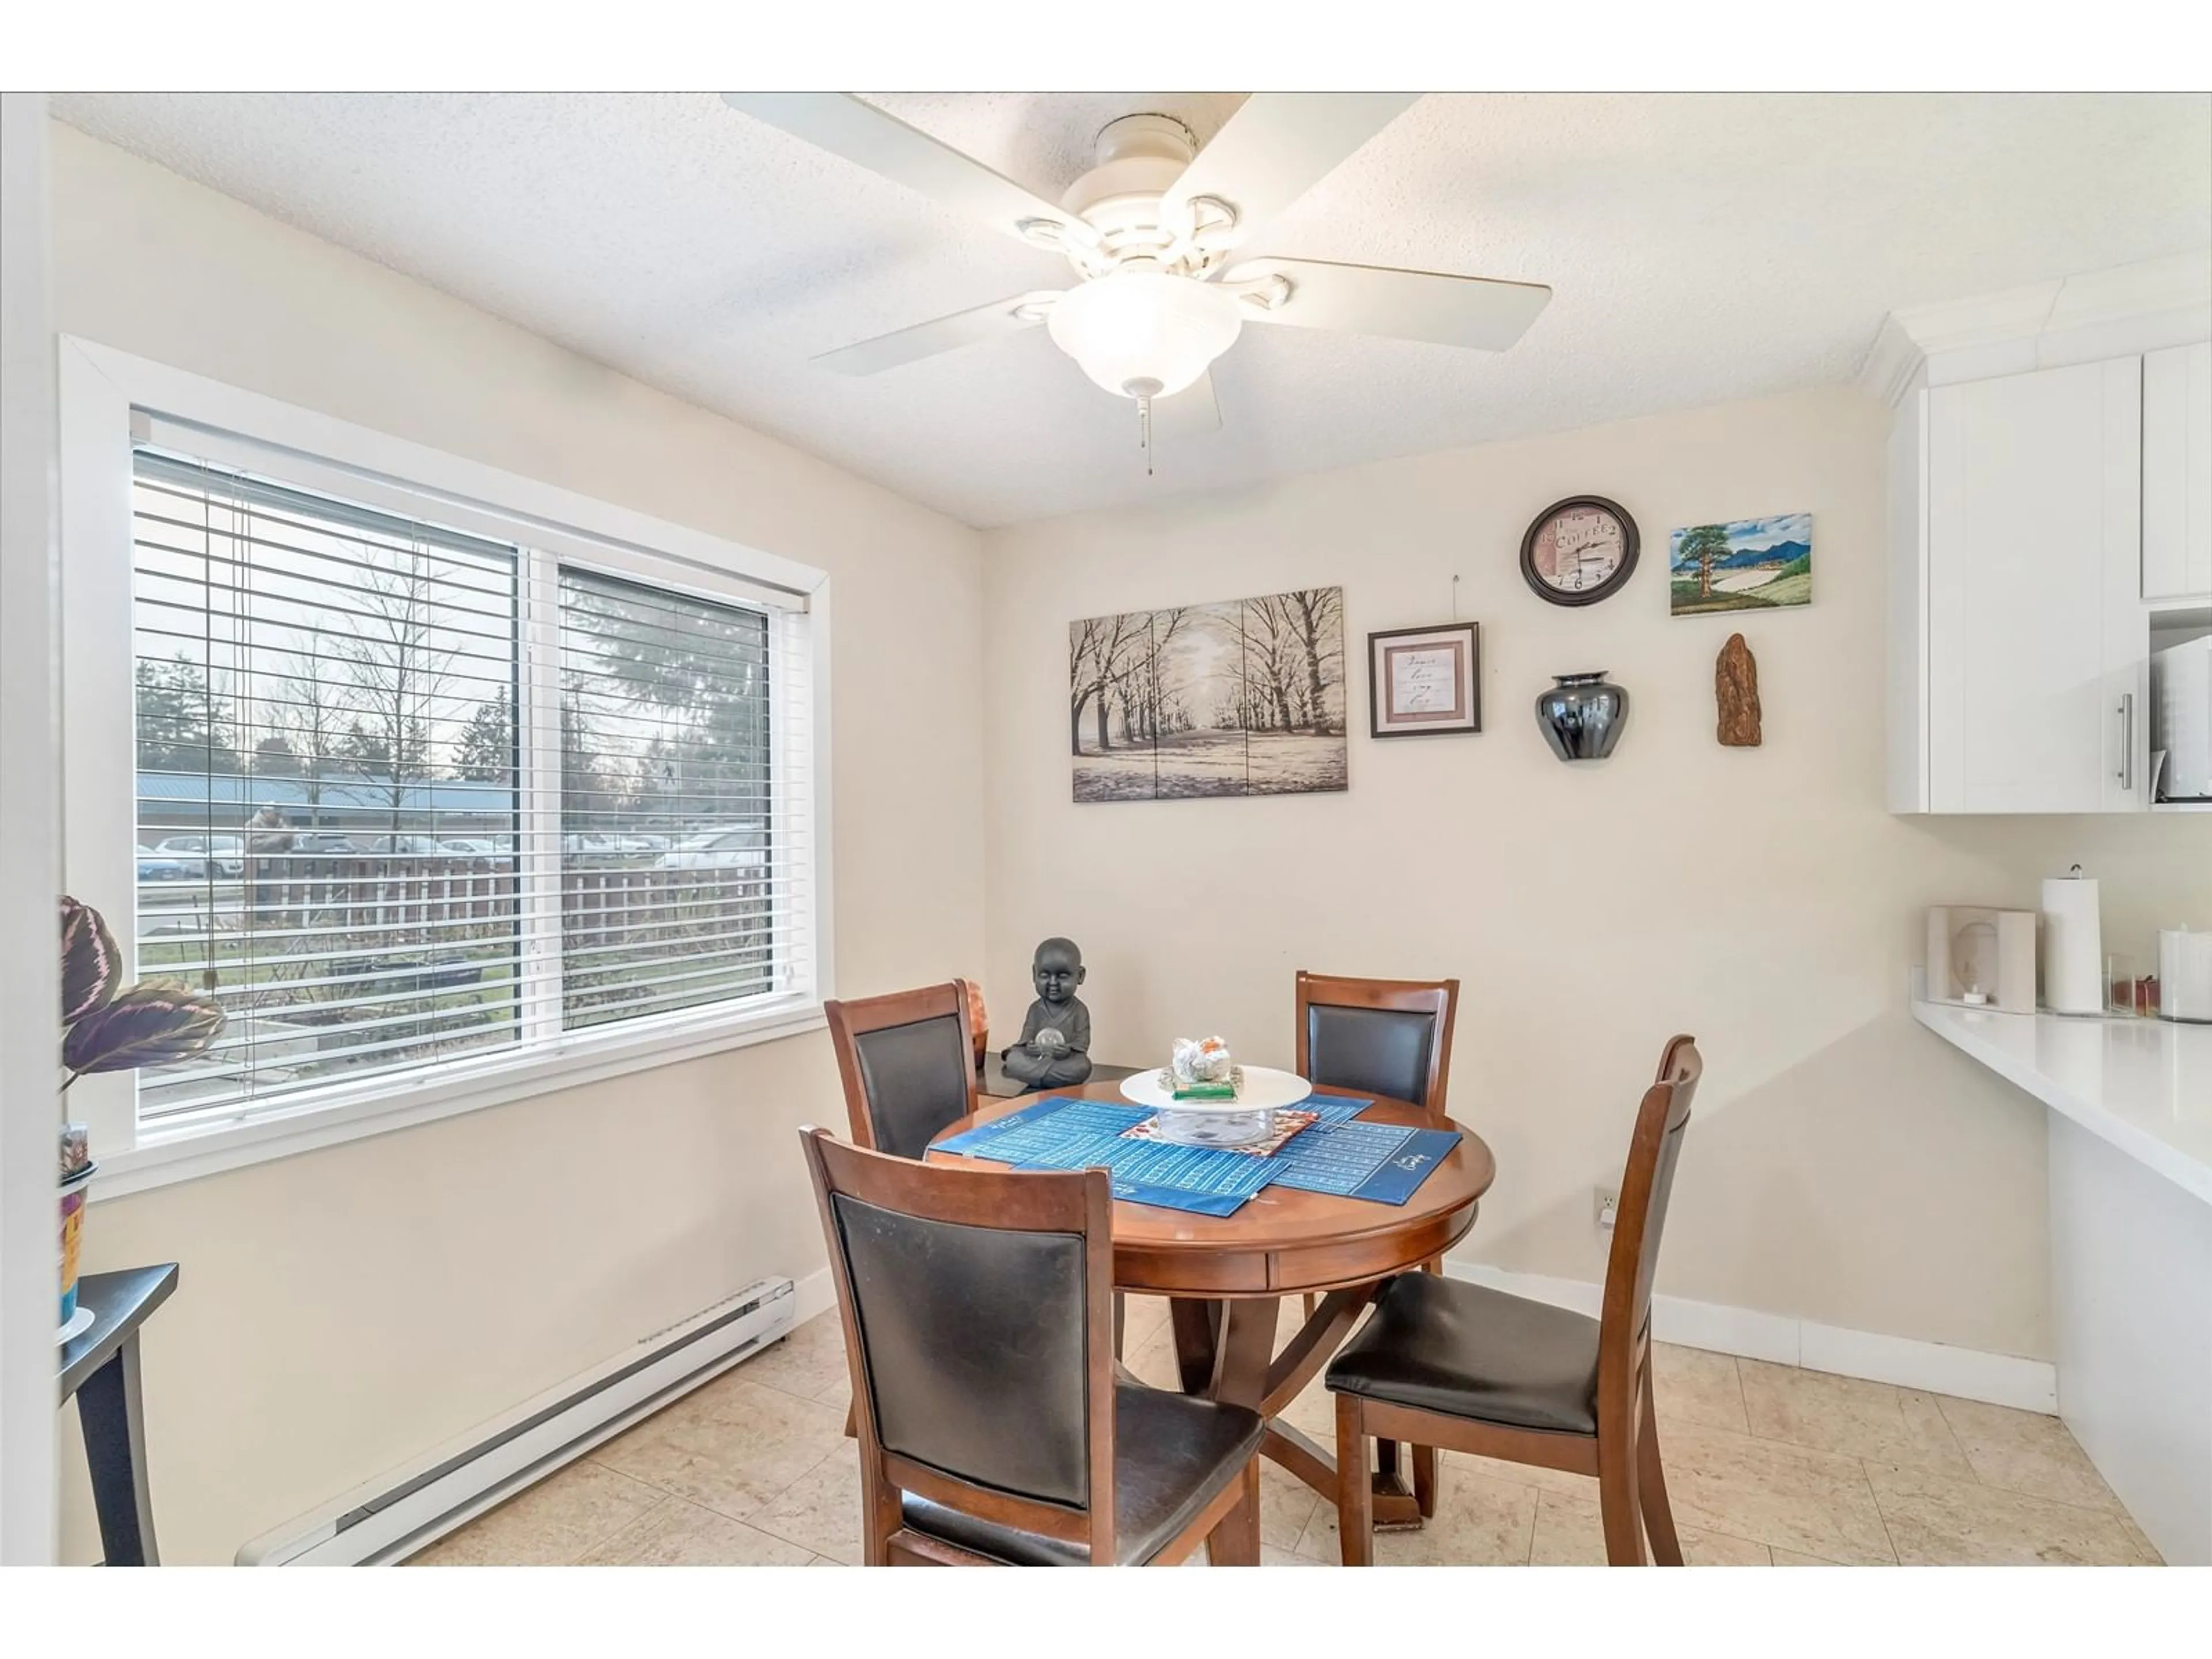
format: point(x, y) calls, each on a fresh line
point(683, 845)
point(327, 802)
point(791, 677)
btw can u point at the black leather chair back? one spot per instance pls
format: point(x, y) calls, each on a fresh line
point(917, 1079)
point(973, 1346)
point(1383, 1051)
point(1648, 1183)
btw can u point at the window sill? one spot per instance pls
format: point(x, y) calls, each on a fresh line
point(384, 1104)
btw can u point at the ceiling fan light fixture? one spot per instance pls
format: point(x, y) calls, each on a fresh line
point(1144, 333)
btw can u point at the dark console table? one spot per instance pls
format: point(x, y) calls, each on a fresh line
point(100, 1369)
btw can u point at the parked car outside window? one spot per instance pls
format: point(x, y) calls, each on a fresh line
point(161, 867)
point(229, 851)
point(728, 849)
point(390, 846)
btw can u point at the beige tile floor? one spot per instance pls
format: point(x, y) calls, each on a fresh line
point(1767, 1466)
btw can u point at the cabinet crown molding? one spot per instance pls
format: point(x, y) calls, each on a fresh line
point(2095, 314)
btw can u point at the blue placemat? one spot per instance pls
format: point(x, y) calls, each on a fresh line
point(1383, 1162)
point(1330, 1108)
point(976, 1142)
point(1049, 1134)
point(1062, 1134)
point(1196, 1178)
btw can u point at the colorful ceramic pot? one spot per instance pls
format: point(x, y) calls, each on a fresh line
point(72, 1237)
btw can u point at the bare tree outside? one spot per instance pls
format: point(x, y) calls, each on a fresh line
point(400, 656)
point(1241, 698)
point(305, 711)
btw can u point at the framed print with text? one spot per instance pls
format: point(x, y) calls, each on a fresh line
point(1422, 681)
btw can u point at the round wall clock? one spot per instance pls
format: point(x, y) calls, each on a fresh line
point(1579, 551)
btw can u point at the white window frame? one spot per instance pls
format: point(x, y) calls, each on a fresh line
point(105, 398)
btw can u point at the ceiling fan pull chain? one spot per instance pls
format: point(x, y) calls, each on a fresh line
point(1144, 432)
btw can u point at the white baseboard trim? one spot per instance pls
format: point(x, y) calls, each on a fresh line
point(812, 1295)
point(2029, 1385)
point(398, 1513)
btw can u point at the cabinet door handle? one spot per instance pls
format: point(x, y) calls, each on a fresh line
point(2126, 773)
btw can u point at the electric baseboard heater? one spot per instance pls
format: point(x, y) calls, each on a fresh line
point(405, 1510)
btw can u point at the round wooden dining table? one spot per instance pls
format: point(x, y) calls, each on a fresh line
point(1227, 1276)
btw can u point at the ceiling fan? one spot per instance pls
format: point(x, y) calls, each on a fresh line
point(1159, 234)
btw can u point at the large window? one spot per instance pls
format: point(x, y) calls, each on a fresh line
point(431, 792)
point(668, 804)
point(327, 793)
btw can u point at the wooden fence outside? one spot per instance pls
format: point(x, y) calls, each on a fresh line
point(454, 895)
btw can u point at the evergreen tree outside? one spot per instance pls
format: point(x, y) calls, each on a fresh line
point(179, 728)
point(486, 752)
point(273, 758)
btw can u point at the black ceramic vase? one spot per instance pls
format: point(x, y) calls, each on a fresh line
point(1581, 715)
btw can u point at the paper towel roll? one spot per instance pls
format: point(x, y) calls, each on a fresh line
point(2073, 947)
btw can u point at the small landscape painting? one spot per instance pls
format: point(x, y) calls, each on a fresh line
point(1244, 697)
point(1753, 564)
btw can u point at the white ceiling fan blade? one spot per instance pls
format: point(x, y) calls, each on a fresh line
point(864, 135)
point(1191, 413)
point(963, 328)
point(1474, 311)
point(1277, 146)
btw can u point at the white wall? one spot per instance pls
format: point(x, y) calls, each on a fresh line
point(30, 1111)
point(343, 1310)
point(1845, 1166)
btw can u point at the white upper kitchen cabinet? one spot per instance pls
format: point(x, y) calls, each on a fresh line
point(2037, 641)
point(2049, 498)
point(2177, 473)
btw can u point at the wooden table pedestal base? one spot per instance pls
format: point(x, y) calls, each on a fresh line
point(1225, 1349)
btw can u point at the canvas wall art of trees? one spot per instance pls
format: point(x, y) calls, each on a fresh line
point(1244, 697)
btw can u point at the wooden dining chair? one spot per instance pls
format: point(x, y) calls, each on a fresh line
point(993, 1432)
point(1450, 1363)
point(908, 1063)
point(1382, 1036)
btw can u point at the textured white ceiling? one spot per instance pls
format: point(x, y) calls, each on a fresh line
point(1700, 248)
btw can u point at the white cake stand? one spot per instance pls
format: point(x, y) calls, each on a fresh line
point(1250, 1117)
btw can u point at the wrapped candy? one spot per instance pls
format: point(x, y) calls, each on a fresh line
point(1202, 1069)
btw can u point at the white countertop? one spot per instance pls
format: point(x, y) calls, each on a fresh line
point(2143, 1084)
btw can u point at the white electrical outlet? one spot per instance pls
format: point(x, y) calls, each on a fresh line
point(1606, 1203)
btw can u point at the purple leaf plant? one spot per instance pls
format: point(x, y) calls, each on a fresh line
point(107, 1030)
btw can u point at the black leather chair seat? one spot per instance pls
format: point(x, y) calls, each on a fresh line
point(1172, 1457)
point(1440, 1345)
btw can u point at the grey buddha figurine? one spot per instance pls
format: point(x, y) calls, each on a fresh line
point(1054, 1051)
